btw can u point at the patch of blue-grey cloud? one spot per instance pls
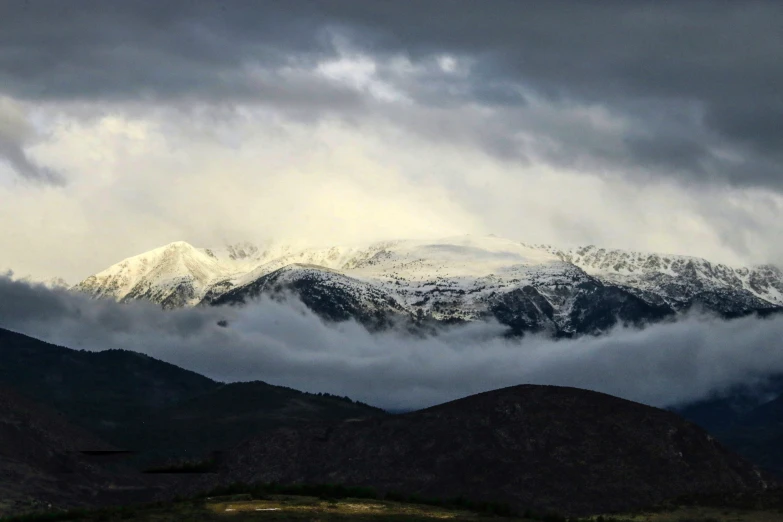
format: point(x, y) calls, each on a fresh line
point(16, 135)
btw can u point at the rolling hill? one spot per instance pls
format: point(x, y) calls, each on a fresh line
point(543, 447)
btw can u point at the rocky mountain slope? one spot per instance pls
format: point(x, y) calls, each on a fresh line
point(530, 446)
point(679, 280)
point(529, 288)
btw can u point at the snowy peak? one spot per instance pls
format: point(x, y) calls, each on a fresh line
point(461, 278)
point(160, 272)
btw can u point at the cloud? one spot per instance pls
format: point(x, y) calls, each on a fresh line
point(211, 175)
point(695, 83)
point(15, 134)
point(285, 344)
point(643, 127)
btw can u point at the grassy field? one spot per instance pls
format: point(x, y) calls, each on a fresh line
point(241, 508)
point(279, 508)
point(310, 508)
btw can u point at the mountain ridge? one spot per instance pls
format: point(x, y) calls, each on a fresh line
point(128, 398)
point(447, 280)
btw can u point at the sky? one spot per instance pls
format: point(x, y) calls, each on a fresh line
point(665, 364)
point(642, 125)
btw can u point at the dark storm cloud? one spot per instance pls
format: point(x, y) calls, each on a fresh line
point(14, 155)
point(669, 152)
point(149, 50)
point(285, 344)
point(15, 134)
point(644, 61)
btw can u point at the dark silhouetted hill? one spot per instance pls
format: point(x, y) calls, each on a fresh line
point(42, 465)
point(541, 447)
point(140, 403)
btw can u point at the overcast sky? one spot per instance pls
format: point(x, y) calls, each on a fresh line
point(643, 125)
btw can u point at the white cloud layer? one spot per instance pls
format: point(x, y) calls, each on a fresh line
point(661, 365)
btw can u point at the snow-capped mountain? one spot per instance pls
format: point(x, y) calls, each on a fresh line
point(678, 280)
point(457, 279)
point(174, 275)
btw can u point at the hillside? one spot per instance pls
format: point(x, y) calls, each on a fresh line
point(221, 418)
point(139, 403)
point(41, 463)
point(748, 419)
point(101, 391)
point(529, 446)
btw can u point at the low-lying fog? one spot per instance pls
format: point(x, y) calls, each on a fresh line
point(285, 344)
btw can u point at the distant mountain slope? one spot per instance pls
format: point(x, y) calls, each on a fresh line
point(530, 446)
point(749, 419)
point(758, 435)
point(140, 403)
point(682, 280)
point(529, 288)
point(328, 293)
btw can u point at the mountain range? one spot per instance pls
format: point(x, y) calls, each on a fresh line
point(527, 446)
point(540, 447)
point(528, 288)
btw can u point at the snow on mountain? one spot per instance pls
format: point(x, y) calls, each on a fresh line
point(329, 293)
point(677, 278)
point(528, 287)
point(174, 275)
point(452, 278)
point(449, 279)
